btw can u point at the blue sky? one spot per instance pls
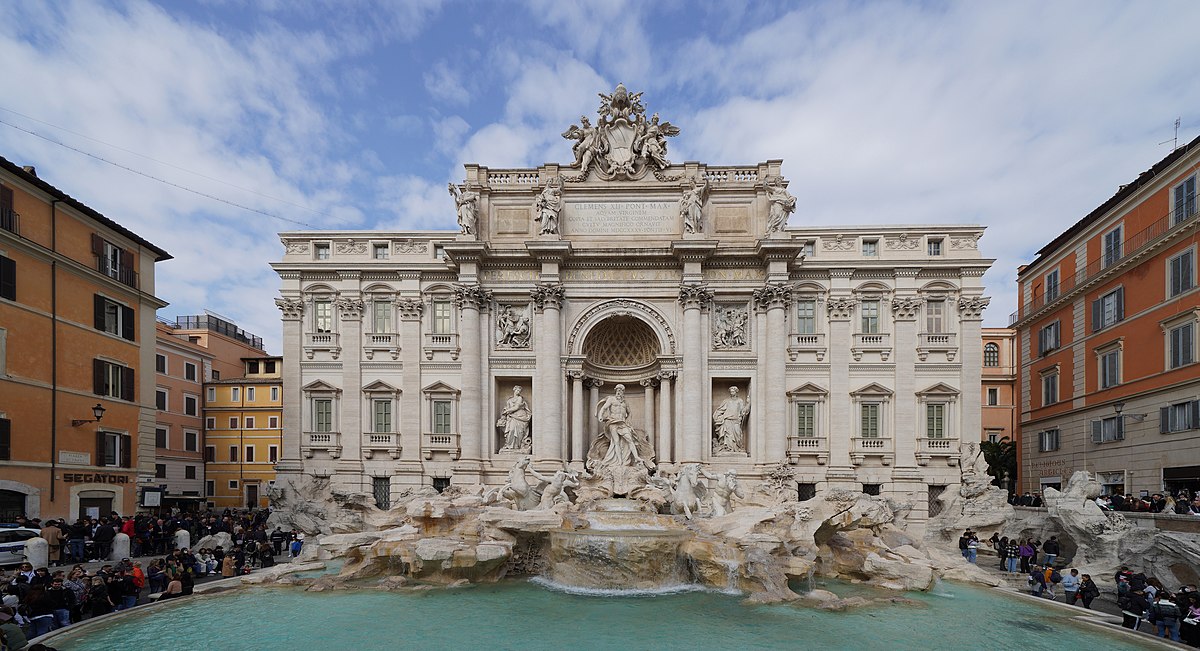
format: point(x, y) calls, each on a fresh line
point(1022, 116)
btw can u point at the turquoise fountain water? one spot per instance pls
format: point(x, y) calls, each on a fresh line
point(520, 615)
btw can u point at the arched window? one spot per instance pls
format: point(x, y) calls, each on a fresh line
point(991, 355)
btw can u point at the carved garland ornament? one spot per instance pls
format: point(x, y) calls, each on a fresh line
point(968, 242)
point(351, 247)
point(902, 243)
point(838, 243)
point(295, 246)
point(410, 246)
point(620, 307)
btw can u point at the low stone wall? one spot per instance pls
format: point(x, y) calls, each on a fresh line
point(1159, 521)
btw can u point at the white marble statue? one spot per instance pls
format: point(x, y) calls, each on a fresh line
point(726, 489)
point(517, 490)
point(514, 421)
point(622, 441)
point(686, 490)
point(555, 490)
point(547, 206)
point(691, 204)
point(512, 326)
point(465, 201)
point(588, 142)
point(730, 328)
point(727, 424)
point(651, 142)
point(782, 204)
point(623, 144)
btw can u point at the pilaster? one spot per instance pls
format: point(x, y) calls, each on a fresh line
point(694, 297)
point(292, 314)
point(548, 403)
point(409, 309)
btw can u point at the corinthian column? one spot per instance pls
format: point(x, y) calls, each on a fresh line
point(293, 398)
point(470, 298)
point(665, 431)
point(775, 298)
point(409, 429)
point(694, 297)
point(577, 411)
point(548, 400)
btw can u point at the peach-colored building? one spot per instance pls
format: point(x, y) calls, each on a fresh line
point(77, 349)
point(999, 378)
point(180, 365)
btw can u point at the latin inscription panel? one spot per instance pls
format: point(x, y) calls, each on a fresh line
point(621, 218)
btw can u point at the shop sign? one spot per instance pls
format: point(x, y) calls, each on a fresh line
point(94, 478)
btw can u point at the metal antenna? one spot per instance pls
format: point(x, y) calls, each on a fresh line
point(1174, 141)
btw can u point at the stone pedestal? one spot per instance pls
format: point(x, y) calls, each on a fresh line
point(183, 539)
point(37, 552)
point(120, 548)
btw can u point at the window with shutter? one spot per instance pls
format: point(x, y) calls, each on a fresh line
point(127, 387)
point(5, 439)
point(8, 278)
point(1185, 201)
point(126, 451)
point(1180, 275)
point(101, 448)
point(8, 216)
point(127, 323)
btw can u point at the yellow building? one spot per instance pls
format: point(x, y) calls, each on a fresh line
point(243, 434)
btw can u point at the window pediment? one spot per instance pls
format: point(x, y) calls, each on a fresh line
point(320, 386)
point(439, 387)
point(873, 389)
point(379, 386)
point(808, 390)
point(939, 390)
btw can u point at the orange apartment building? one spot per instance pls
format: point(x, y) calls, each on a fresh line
point(999, 385)
point(244, 434)
point(180, 365)
point(1107, 331)
point(77, 341)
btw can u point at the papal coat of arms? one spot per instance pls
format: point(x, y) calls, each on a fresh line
point(623, 144)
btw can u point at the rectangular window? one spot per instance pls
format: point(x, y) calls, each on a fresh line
point(160, 399)
point(273, 422)
point(210, 423)
point(160, 364)
point(269, 367)
point(235, 394)
point(441, 317)
point(935, 316)
point(1110, 367)
point(870, 317)
point(1179, 417)
point(1112, 247)
point(809, 249)
point(249, 454)
point(212, 394)
point(249, 394)
point(210, 488)
point(114, 449)
point(210, 453)
point(1048, 338)
point(1184, 199)
point(993, 396)
point(382, 415)
point(323, 415)
point(233, 422)
point(190, 441)
point(323, 316)
point(379, 251)
point(382, 489)
point(249, 422)
point(935, 421)
point(1108, 309)
point(1108, 429)
point(273, 453)
point(1052, 286)
point(806, 316)
point(382, 313)
point(233, 453)
point(1048, 440)
point(806, 420)
point(160, 437)
point(1181, 345)
point(116, 319)
point(872, 489)
point(935, 246)
point(189, 472)
point(870, 420)
point(252, 367)
point(8, 278)
point(189, 405)
point(1181, 270)
point(1049, 389)
point(441, 417)
point(870, 248)
point(189, 371)
point(112, 380)
point(5, 439)
point(216, 375)
point(233, 484)
point(274, 394)
point(160, 471)
point(321, 250)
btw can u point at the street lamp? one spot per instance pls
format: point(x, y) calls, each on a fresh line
point(97, 411)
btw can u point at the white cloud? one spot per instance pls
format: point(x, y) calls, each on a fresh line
point(445, 85)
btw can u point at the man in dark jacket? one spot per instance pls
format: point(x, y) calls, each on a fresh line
point(103, 537)
point(278, 537)
point(1051, 549)
point(63, 600)
point(1165, 615)
point(1133, 605)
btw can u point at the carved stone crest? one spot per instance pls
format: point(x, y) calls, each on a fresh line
point(623, 144)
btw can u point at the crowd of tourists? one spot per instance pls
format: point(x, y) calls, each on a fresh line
point(1179, 504)
point(1141, 600)
point(37, 600)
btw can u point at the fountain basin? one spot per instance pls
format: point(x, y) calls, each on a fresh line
point(626, 559)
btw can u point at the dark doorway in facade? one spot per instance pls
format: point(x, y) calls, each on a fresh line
point(12, 504)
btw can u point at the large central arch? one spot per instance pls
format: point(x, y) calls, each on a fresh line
point(621, 340)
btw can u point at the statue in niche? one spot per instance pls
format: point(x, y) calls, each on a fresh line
point(465, 202)
point(620, 444)
point(690, 205)
point(731, 326)
point(727, 423)
point(512, 326)
point(782, 202)
point(726, 489)
point(547, 206)
point(514, 421)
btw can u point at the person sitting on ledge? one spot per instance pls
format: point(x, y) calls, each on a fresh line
point(174, 589)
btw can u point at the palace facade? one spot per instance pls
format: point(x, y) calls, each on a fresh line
point(855, 350)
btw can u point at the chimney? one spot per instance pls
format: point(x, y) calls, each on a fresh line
point(30, 169)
